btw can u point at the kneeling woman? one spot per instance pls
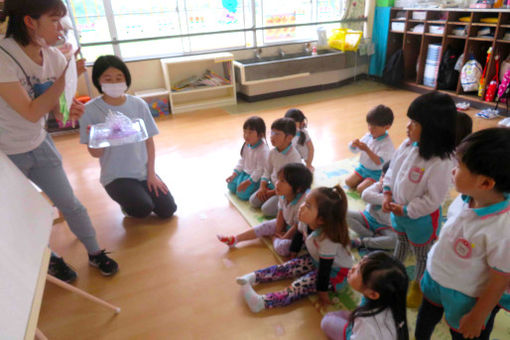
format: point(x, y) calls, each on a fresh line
point(127, 171)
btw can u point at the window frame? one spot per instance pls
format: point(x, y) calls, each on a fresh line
point(116, 43)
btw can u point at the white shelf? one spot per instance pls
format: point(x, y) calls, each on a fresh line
point(203, 104)
point(198, 90)
point(178, 69)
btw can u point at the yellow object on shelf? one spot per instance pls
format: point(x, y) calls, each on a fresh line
point(489, 20)
point(465, 19)
point(344, 39)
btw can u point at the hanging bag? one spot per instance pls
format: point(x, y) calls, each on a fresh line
point(490, 93)
point(470, 75)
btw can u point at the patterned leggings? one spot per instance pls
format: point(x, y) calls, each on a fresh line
point(301, 267)
point(402, 249)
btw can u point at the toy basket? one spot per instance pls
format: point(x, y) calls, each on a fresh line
point(344, 39)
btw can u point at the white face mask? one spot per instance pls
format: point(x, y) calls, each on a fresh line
point(114, 90)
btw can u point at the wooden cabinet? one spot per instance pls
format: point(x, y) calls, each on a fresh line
point(461, 32)
point(178, 71)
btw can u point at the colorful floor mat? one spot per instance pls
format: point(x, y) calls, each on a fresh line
point(331, 175)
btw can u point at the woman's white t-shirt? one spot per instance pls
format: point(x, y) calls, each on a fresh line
point(17, 134)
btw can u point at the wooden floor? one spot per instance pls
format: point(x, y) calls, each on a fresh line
point(176, 281)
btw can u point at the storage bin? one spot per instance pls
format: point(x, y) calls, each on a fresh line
point(344, 39)
point(398, 26)
point(157, 99)
point(436, 29)
point(419, 15)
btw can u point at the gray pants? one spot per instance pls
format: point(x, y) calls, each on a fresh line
point(402, 249)
point(268, 228)
point(384, 239)
point(43, 166)
point(269, 208)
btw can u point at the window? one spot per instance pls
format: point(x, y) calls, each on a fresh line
point(147, 28)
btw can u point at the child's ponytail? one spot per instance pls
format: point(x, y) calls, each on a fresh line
point(299, 117)
point(332, 209)
point(387, 276)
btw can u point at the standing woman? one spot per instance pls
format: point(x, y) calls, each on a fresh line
point(32, 78)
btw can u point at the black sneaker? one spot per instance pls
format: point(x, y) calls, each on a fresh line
point(106, 265)
point(61, 270)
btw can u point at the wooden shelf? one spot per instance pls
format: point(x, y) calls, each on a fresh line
point(178, 69)
point(400, 32)
point(201, 89)
point(483, 24)
point(416, 49)
point(202, 104)
point(398, 19)
point(481, 39)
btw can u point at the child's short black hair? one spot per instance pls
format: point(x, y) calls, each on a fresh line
point(381, 115)
point(16, 10)
point(255, 123)
point(437, 115)
point(299, 117)
point(487, 152)
point(464, 126)
point(103, 63)
point(385, 167)
point(298, 176)
point(286, 125)
point(296, 114)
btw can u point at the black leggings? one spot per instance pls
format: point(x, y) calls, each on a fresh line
point(429, 316)
point(136, 200)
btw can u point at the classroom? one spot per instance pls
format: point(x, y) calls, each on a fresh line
point(293, 169)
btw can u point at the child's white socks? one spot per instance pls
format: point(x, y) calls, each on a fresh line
point(254, 300)
point(247, 279)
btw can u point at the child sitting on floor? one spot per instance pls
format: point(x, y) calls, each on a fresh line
point(376, 149)
point(372, 225)
point(325, 266)
point(302, 141)
point(383, 281)
point(245, 179)
point(283, 131)
point(294, 179)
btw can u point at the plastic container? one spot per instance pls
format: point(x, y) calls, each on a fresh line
point(436, 29)
point(398, 26)
point(103, 135)
point(157, 100)
point(344, 39)
point(419, 15)
point(459, 31)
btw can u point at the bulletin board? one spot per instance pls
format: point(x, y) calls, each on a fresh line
point(25, 226)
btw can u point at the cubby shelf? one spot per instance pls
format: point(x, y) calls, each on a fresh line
point(415, 44)
point(196, 98)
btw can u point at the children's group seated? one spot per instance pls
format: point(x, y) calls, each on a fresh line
point(462, 269)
